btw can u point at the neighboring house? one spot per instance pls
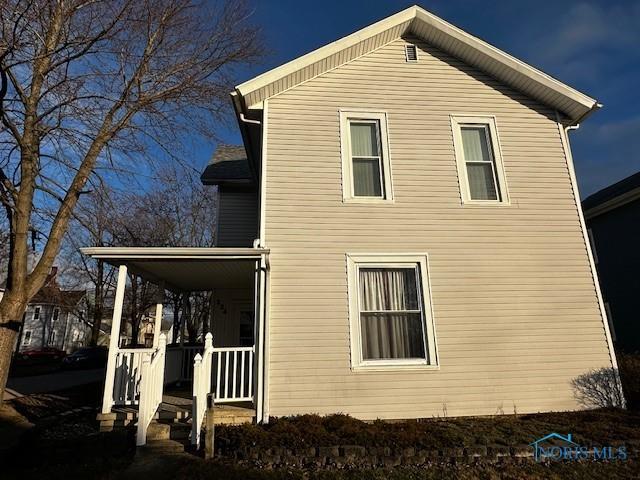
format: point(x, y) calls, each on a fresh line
point(54, 318)
point(613, 222)
point(411, 243)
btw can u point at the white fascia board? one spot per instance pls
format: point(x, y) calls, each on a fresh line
point(437, 23)
point(323, 52)
point(159, 253)
point(504, 58)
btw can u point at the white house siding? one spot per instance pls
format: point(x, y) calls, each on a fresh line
point(237, 217)
point(515, 308)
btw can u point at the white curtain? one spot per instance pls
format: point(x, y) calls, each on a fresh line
point(479, 163)
point(364, 139)
point(366, 177)
point(391, 322)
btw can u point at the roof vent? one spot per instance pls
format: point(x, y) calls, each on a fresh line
point(411, 53)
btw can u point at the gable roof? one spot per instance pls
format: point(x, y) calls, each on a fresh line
point(616, 195)
point(228, 164)
point(435, 31)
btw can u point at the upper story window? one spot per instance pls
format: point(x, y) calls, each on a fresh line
point(390, 311)
point(366, 168)
point(36, 313)
point(56, 314)
point(480, 168)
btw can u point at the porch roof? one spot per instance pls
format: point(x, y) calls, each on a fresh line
point(185, 268)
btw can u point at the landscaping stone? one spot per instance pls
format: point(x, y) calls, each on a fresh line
point(328, 451)
point(521, 451)
point(353, 451)
point(477, 451)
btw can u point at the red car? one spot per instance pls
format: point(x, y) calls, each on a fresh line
point(42, 354)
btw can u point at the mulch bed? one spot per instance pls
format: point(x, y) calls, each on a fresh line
point(596, 427)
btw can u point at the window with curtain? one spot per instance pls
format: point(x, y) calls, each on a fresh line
point(366, 170)
point(366, 158)
point(391, 314)
point(480, 167)
point(479, 160)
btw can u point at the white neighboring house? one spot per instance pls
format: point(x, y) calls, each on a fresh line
point(54, 318)
point(401, 239)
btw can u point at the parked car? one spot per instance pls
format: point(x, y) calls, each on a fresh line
point(87, 357)
point(42, 355)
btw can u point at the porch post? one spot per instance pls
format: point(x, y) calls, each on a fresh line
point(183, 323)
point(157, 326)
point(107, 397)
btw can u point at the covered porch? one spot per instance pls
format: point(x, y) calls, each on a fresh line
point(225, 363)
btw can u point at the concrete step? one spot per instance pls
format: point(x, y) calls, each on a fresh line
point(161, 447)
point(232, 415)
point(158, 431)
point(180, 431)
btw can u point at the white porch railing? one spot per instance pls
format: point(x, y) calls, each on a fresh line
point(234, 374)
point(201, 387)
point(226, 372)
point(151, 384)
point(127, 375)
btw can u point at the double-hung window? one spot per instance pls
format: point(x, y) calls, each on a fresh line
point(365, 157)
point(26, 338)
point(390, 311)
point(480, 168)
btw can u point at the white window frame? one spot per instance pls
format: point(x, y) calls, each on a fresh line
point(52, 337)
point(37, 310)
point(458, 121)
point(55, 315)
point(27, 341)
point(397, 260)
point(346, 116)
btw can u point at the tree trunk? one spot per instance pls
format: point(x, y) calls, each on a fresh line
point(12, 309)
point(97, 305)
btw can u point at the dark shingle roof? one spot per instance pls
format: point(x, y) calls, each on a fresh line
point(229, 164)
point(612, 191)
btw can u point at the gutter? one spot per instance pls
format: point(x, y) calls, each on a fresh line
point(243, 121)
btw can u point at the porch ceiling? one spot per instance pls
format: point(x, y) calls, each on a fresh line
point(187, 269)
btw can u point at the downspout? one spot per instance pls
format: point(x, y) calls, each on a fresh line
point(261, 290)
point(564, 134)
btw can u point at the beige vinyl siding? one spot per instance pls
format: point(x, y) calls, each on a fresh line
point(515, 308)
point(237, 217)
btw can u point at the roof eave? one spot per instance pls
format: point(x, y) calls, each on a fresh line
point(583, 104)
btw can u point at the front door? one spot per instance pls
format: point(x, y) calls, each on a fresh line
point(246, 325)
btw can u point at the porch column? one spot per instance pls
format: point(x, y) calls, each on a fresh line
point(157, 326)
point(183, 323)
point(107, 397)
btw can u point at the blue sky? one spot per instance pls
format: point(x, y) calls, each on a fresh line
point(593, 46)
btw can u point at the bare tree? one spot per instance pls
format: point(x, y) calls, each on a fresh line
point(91, 226)
point(95, 86)
point(598, 389)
